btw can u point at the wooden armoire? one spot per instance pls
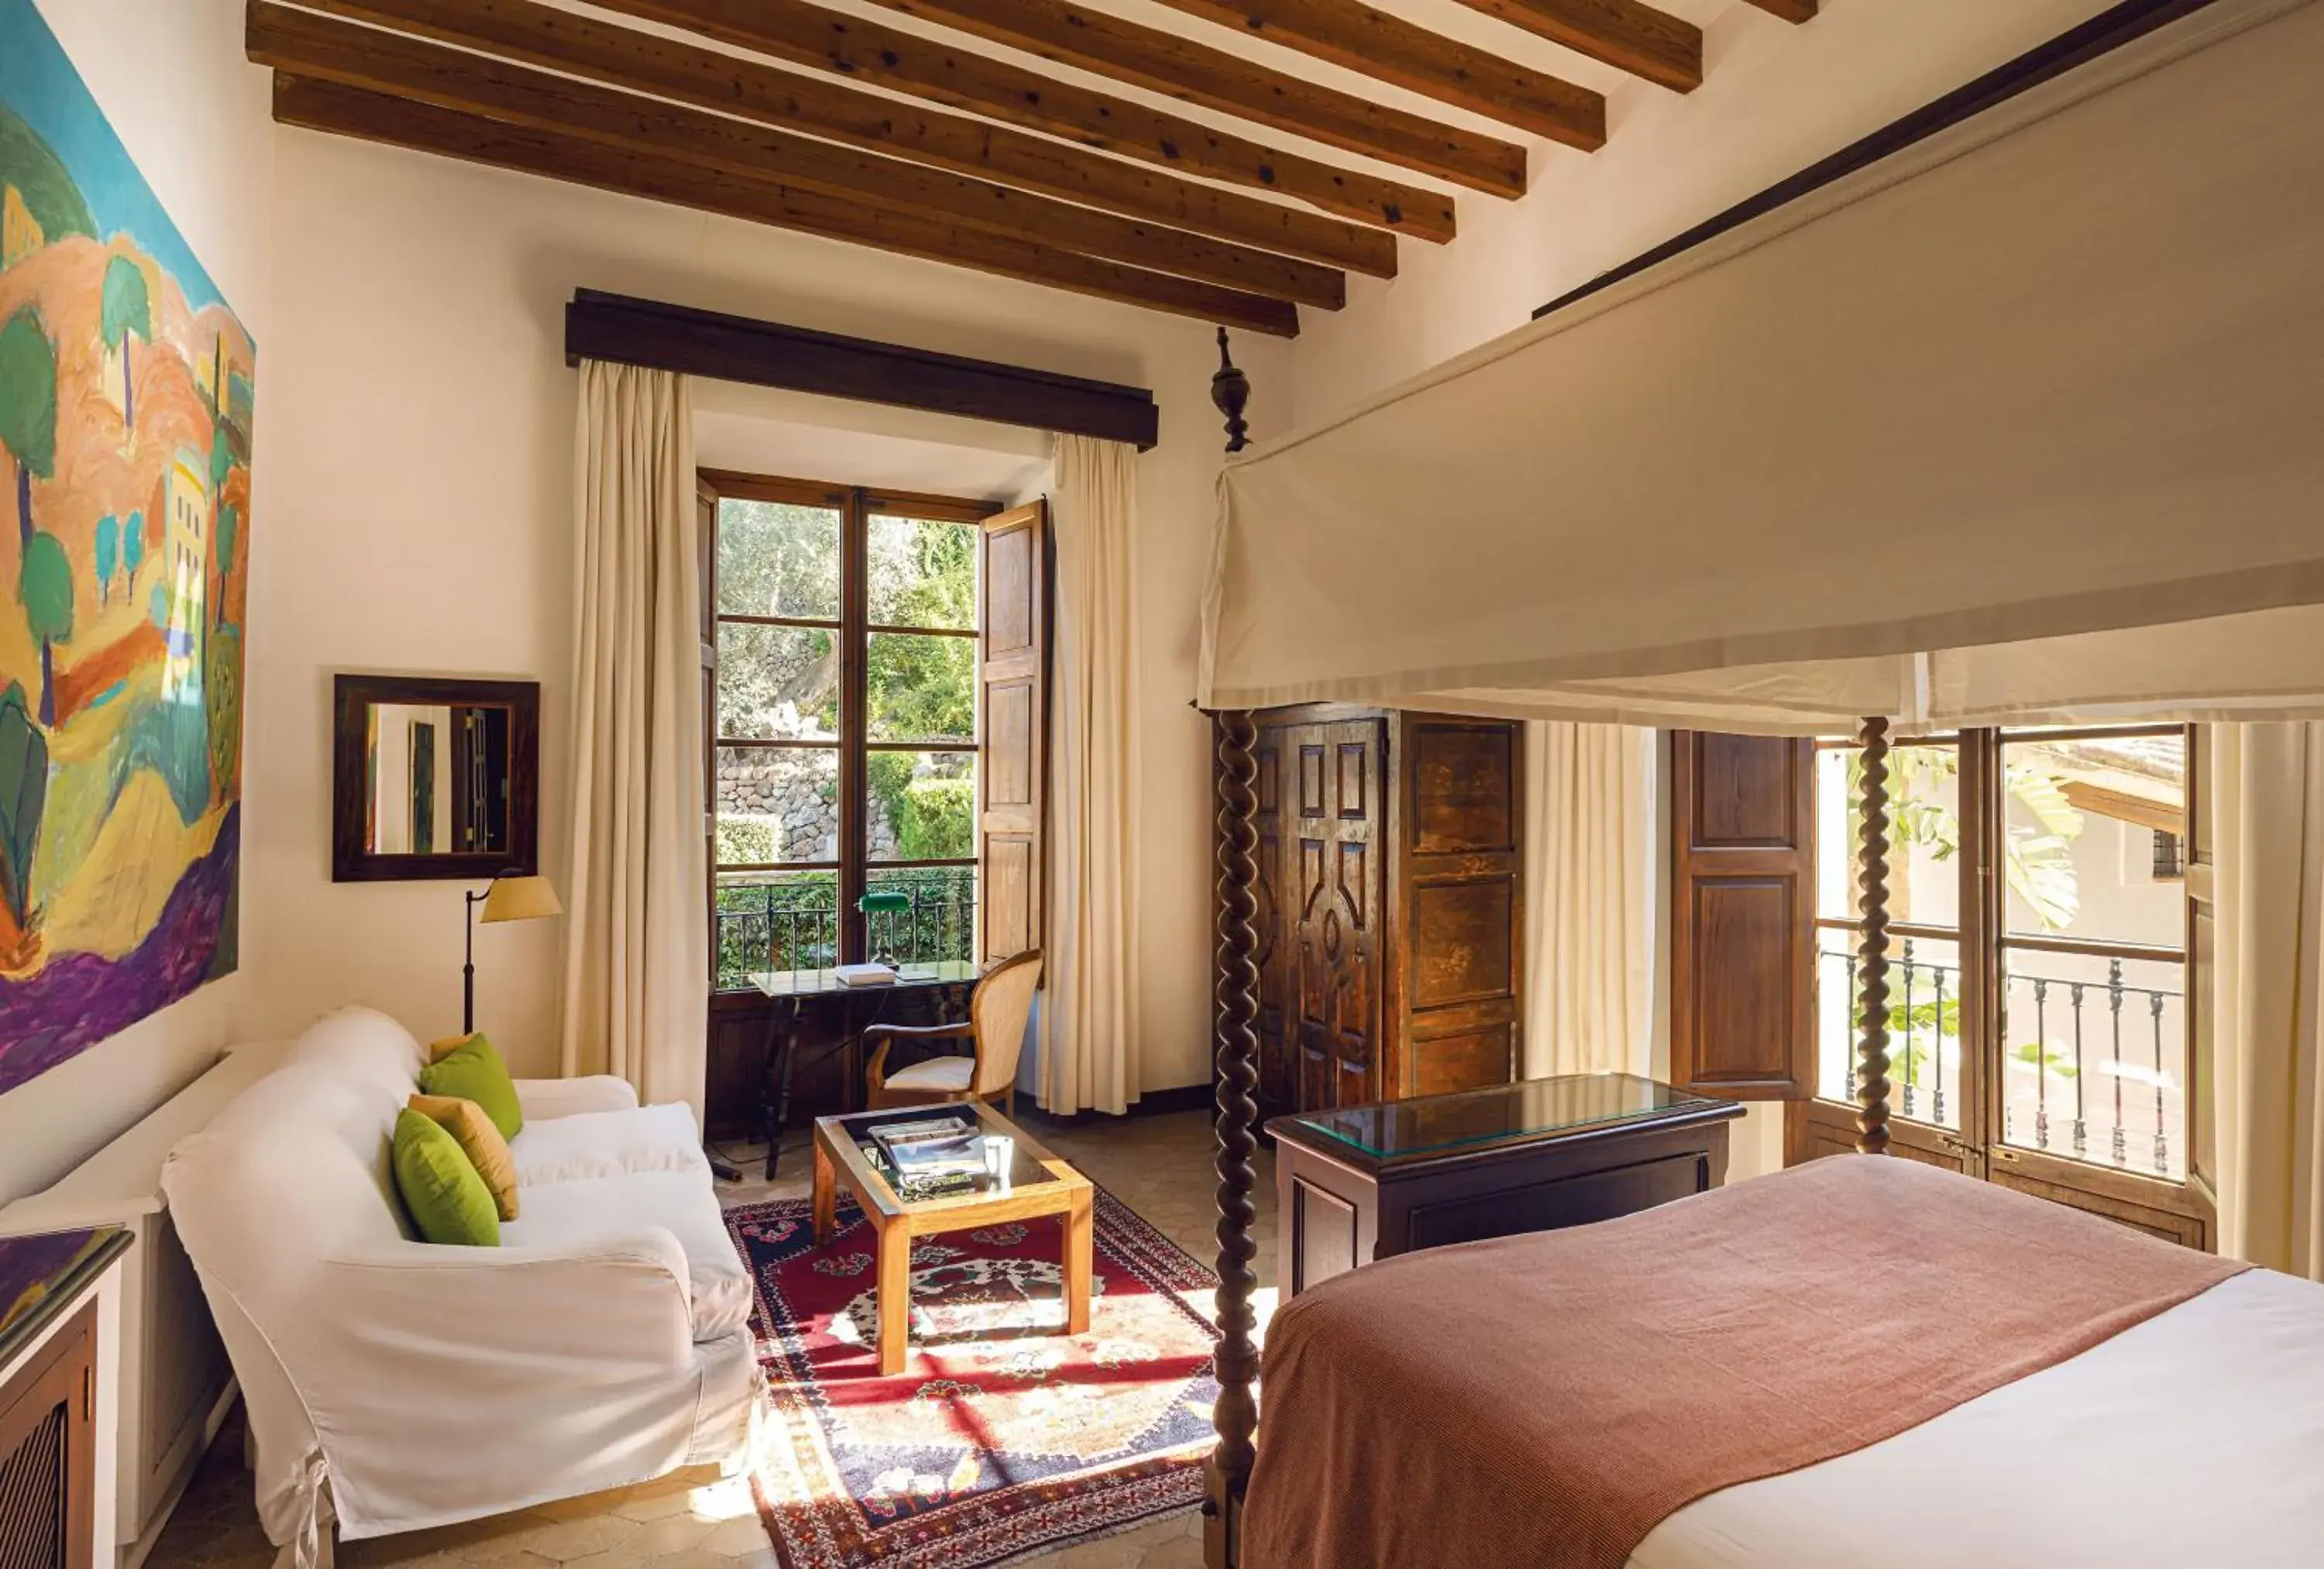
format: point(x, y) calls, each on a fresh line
point(1390, 904)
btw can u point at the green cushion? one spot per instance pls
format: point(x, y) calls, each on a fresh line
point(473, 1070)
point(448, 1202)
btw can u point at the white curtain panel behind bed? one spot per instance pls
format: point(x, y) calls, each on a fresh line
point(1590, 817)
point(2269, 790)
point(1089, 1017)
point(637, 988)
point(1918, 444)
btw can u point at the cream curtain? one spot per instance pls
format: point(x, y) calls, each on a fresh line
point(1089, 1019)
point(1590, 817)
point(637, 959)
point(2269, 793)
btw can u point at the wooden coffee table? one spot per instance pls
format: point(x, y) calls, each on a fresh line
point(1028, 1181)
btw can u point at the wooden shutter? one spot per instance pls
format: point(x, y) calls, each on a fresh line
point(1013, 731)
point(1743, 915)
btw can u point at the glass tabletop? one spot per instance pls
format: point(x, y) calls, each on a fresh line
point(41, 1273)
point(1006, 1162)
point(1531, 1109)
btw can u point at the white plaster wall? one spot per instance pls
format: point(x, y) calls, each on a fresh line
point(418, 508)
point(194, 116)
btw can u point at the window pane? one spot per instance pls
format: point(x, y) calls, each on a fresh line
point(776, 804)
point(1924, 1024)
point(1925, 973)
point(778, 682)
point(2094, 1059)
point(922, 573)
point(775, 559)
point(936, 921)
point(1923, 833)
point(2096, 830)
point(775, 920)
point(922, 806)
point(922, 689)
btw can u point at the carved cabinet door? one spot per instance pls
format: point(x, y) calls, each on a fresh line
point(1335, 829)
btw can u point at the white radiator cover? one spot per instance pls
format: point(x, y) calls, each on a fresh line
point(175, 1383)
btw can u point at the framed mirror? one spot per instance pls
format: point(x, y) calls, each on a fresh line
point(434, 777)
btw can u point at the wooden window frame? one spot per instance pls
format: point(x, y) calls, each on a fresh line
point(856, 505)
point(2184, 1209)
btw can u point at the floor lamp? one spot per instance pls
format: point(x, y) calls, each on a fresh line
point(509, 897)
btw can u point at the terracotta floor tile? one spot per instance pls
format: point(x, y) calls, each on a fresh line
point(734, 1539)
point(673, 1535)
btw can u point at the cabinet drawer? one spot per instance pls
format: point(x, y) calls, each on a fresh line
point(1578, 1200)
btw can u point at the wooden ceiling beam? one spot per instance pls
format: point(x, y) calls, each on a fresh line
point(1193, 72)
point(808, 36)
point(1391, 50)
point(621, 57)
point(320, 47)
point(1653, 44)
point(354, 112)
point(1789, 10)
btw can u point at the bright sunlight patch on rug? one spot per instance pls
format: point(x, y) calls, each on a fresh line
point(1002, 1435)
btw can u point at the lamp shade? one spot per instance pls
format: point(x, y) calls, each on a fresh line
point(520, 899)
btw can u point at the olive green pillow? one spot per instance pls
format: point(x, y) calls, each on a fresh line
point(473, 1070)
point(448, 1202)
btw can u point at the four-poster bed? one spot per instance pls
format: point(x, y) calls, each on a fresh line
point(2064, 357)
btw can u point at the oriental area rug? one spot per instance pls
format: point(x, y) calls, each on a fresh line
point(1002, 1436)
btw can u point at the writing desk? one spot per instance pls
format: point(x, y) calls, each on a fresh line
point(794, 994)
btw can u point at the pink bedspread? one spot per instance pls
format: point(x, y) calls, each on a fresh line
point(1544, 1402)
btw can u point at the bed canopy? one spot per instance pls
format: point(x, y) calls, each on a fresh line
point(2021, 424)
point(1922, 445)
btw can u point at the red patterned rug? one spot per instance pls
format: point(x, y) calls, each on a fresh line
point(1002, 1436)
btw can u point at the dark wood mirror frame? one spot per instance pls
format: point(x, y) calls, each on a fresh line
point(353, 860)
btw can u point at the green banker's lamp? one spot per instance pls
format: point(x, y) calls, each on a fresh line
point(509, 897)
point(882, 904)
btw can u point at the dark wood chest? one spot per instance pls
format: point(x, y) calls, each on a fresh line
point(1362, 1183)
point(1390, 904)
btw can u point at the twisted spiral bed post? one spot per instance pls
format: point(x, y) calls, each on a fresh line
point(1235, 776)
point(1872, 943)
point(1236, 1416)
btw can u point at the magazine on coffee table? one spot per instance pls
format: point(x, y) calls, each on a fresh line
point(930, 1146)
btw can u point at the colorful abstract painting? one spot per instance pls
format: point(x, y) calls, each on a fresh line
point(125, 399)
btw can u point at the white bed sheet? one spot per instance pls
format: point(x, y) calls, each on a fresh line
point(2195, 1439)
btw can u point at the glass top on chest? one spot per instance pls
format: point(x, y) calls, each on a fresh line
point(1525, 1112)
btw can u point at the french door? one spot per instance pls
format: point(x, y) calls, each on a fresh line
point(2043, 905)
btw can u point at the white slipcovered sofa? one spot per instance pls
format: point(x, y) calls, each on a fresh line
point(393, 1385)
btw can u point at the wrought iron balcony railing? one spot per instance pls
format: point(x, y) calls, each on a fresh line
point(2081, 1029)
point(770, 925)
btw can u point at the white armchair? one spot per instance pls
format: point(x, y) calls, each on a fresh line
point(393, 1385)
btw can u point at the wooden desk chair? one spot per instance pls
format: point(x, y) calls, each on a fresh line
point(997, 1012)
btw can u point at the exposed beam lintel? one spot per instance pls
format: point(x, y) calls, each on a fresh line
point(630, 331)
